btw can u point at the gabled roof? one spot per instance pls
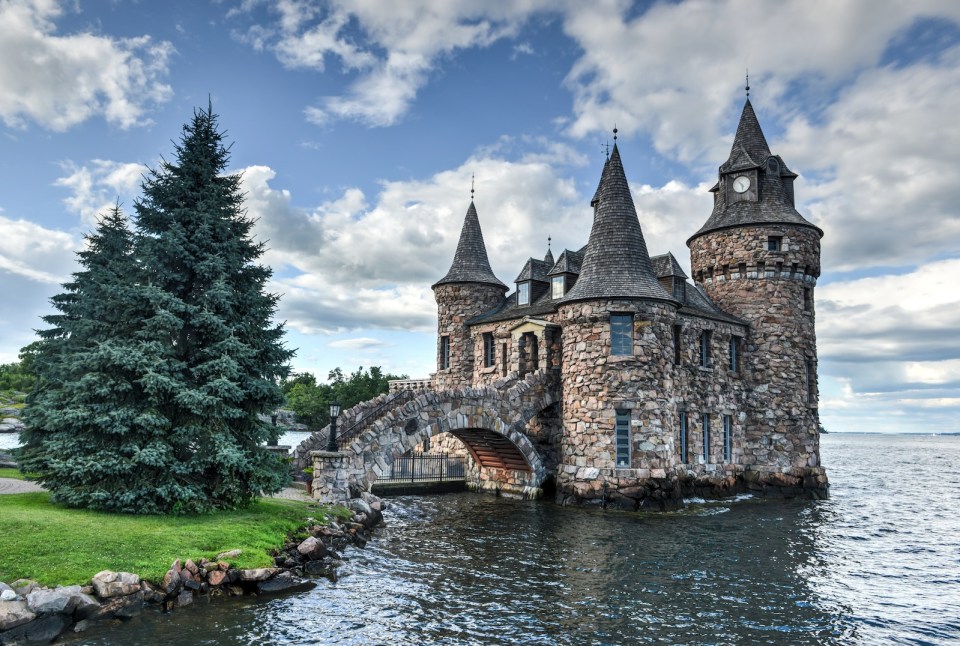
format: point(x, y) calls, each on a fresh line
point(470, 262)
point(549, 258)
point(534, 270)
point(616, 263)
point(666, 265)
point(569, 263)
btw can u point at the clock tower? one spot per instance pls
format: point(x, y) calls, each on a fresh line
point(759, 259)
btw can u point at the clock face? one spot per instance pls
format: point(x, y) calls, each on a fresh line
point(741, 184)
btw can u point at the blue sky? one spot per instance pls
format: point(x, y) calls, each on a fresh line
point(357, 127)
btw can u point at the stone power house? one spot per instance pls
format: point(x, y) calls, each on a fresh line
point(663, 386)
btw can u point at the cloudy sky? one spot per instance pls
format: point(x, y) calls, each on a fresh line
point(358, 125)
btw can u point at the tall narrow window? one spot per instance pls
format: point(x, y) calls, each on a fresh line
point(444, 352)
point(727, 432)
point(734, 353)
point(761, 268)
point(504, 359)
point(489, 350)
point(623, 438)
point(683, 437)
point(706, 438)
point(806, 299)
point(705, 349)
point(523, 294)
point(810, 379)
point(557, 284)
point(677, 332)
point(679, 289)
point(621, 334)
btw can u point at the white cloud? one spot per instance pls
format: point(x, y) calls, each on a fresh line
point(363, 343)
point(97, 186)
point(60, 81)
point(34, 252)
point(685, 107)
point(393, 46)
point(355, 262)
point(885, 166)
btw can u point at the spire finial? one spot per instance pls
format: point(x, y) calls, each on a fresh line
point(606, 149)
point(748, 84)
point(615, 134)
point(472, 177)
point(549, 240)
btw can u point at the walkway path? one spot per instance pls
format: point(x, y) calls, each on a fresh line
point(12, 485)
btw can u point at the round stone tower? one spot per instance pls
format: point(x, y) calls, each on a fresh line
point(470, 288)
point(759, 259)
point(616, 322)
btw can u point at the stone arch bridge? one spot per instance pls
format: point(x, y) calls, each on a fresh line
point(491, 421)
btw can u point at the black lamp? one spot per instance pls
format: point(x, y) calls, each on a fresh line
point(332, 437)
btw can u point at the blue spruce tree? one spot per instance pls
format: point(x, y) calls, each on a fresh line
point(198, 358)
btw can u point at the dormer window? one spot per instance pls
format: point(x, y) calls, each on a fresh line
point(523, 294)
point(557, 284)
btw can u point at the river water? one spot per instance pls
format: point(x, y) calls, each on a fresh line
point(877, 563)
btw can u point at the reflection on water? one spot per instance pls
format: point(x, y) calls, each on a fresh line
point(875, 564)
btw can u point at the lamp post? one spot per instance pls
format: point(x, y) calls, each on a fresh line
point(332, 437)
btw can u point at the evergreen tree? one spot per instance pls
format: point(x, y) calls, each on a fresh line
point(210, 323)
point(163, 354)
point(86, 421)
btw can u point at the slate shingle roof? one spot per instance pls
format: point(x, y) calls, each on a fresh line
point(470, 262)
point(697, 303)
point(751, 152)
point(666, 265)
point(616, 263)
point(750, 148)
point(569, 263)
point(534, 270)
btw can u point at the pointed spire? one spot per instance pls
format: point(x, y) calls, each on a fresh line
point(549, 257)
point(750, 149)
point(470, 262)
point(616, 263)
point(750, 155)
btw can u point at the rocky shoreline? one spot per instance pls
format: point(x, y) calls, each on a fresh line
point(31, 614)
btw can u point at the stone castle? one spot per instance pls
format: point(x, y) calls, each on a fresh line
point(664, 387)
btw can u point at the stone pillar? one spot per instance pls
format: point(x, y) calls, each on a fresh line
point(330, 481)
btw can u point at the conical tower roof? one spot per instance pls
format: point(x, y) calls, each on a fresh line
point(749, 149)
point(470, 262)
point(616, 263)
point(750, 154)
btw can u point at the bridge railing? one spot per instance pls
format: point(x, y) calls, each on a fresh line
point(426, 467)
point(354, 429)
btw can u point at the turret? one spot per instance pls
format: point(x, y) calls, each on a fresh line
point(759, 259)
point(470, 288)
point(616, 322)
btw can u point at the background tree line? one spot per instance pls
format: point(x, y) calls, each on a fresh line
point(310, 401)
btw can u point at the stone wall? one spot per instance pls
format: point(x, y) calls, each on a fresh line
point(716, 391)
point(773, 291)
point(596, 384)
point(456, 304)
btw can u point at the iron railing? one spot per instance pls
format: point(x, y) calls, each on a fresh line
point(430, 467)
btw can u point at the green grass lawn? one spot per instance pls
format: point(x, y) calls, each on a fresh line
point(11, 473)
point(58, 546)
